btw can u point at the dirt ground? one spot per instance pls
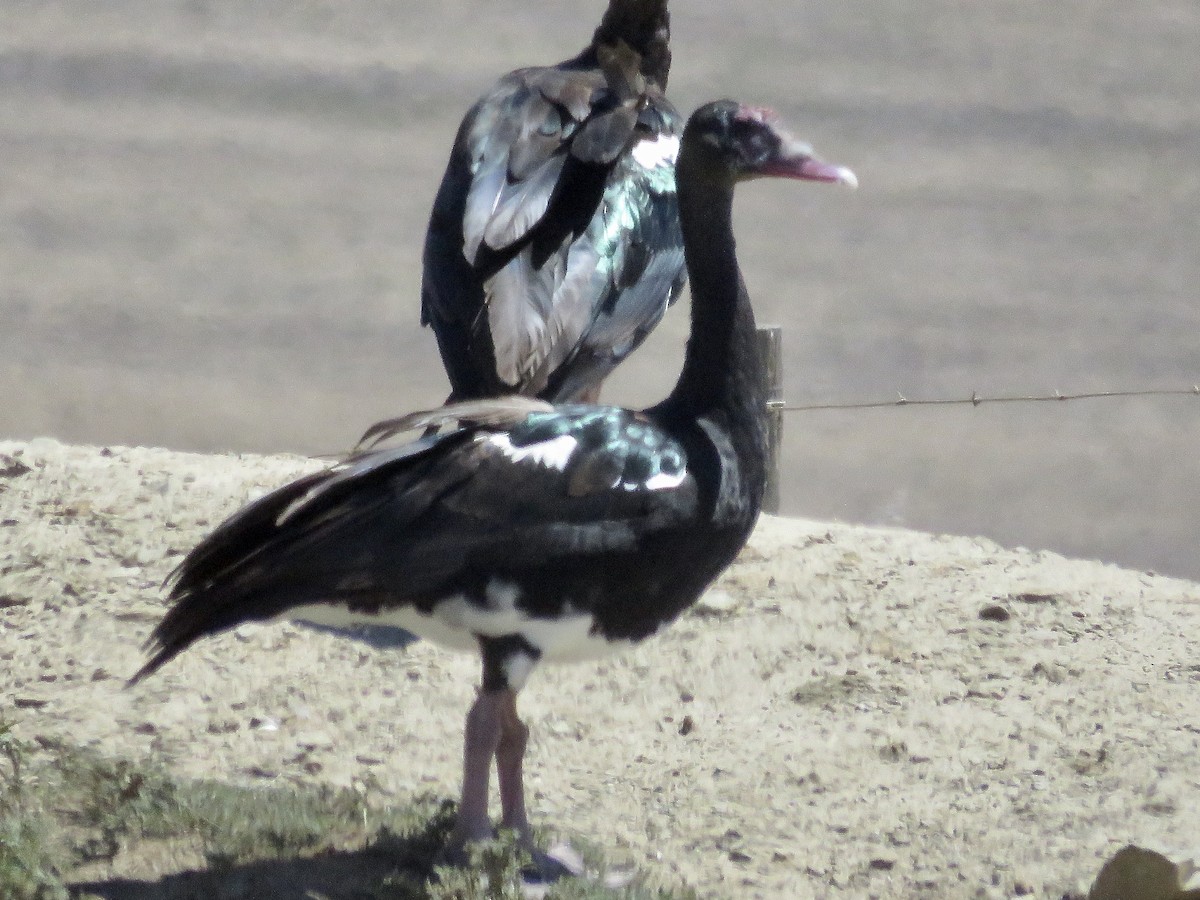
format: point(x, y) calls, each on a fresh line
point(850, 712)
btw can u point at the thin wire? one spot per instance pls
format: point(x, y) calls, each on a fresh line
point(976, 400)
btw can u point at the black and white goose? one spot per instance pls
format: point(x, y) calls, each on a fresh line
point(532, 532)
point(554, 247)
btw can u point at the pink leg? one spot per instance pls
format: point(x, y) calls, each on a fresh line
point(495, 731)
point(483, 734)
point(510, 756)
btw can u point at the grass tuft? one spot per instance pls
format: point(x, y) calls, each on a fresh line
point(27, 869)
point(74, 823)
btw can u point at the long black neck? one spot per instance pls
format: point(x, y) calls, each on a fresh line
point(723, 380)
point(644, 25)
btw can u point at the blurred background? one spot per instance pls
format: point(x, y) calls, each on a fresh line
point(211, 214)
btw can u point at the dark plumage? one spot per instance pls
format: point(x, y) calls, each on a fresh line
point(531, 532)
point(554, 245)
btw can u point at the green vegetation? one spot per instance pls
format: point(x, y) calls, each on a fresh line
point(76, 824)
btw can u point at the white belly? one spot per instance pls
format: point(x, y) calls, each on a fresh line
point(456, 623)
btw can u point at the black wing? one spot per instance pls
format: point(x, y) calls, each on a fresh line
point(413, 525)
point(554, 245)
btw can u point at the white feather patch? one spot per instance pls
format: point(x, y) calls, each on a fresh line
point(554, 453)
point(517, 668)
point(659, 152)
point(664, 481)
point(455, 622)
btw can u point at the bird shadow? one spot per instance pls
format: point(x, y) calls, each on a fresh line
point(392, 867)
point(380, 637)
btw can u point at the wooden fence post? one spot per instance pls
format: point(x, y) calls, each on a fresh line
point(770, 350)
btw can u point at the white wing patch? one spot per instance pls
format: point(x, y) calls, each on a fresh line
point(663, 481)
point(553, 454)
point(651, 154)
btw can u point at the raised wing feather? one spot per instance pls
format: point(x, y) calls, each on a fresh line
point(538, 316)
point(491, 412)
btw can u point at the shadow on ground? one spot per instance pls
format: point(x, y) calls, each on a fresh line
point(392, 867)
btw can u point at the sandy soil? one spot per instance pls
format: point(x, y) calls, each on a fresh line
point(849, 712)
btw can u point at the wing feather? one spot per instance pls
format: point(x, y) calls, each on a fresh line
point(519, 302)
point(605, 136)
point(551, 187)
point(486, 185)
point(412, 525)
point(522, 202)
point(577, 91)
point(538, 317)
point(490, 412)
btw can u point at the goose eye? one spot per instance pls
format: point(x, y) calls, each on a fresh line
point(754, 142)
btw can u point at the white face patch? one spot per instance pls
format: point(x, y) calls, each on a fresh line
point(553, 454)
point(659, 152)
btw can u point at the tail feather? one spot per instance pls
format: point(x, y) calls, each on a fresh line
point(287, 548)
point(217, 586)
point(239, 537)
point(198, 614)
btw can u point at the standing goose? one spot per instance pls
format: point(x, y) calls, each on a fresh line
point(532, 532)
point(554, 248)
